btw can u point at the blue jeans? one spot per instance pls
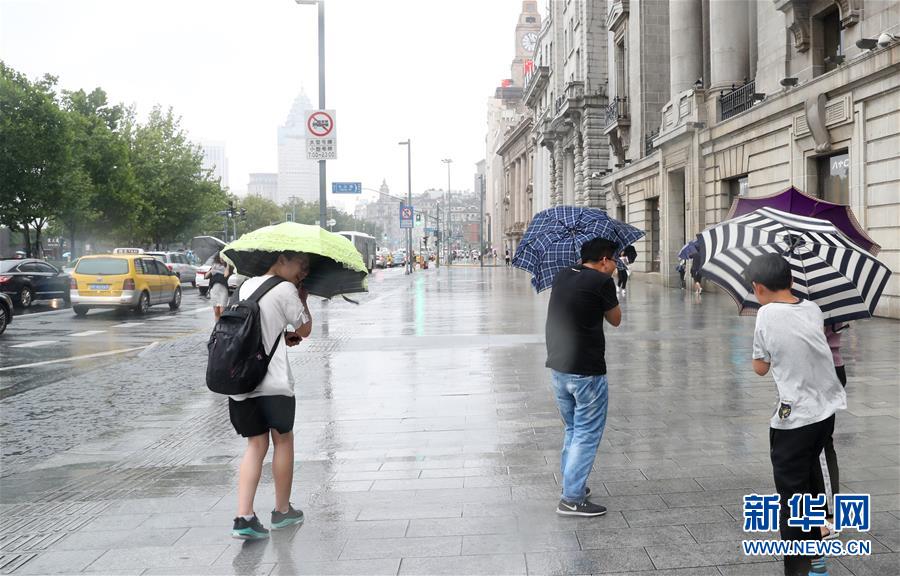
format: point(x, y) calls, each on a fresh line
point(582, 402)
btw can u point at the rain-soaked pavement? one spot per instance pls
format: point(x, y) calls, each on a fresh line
point(427, 442)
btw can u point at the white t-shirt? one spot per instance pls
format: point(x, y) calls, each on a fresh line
point(279, 308)
point(791, 337)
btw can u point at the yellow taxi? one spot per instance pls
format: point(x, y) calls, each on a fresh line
point(122, 280)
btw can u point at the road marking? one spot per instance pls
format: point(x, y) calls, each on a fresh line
point(161, 318)
point(60, 311)
point(35, 344)
point(73, 358)
point(199, 310)
point(127, 324)
point(86, 333)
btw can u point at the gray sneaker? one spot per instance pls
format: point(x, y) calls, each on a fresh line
point(285, 519)
point(585, 508)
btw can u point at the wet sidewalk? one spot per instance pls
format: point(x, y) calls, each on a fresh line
point(427, 442)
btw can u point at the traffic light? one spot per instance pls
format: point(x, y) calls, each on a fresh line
point(231, 208)
point(243, 213)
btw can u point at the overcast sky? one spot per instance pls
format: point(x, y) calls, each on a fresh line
point(395, 69)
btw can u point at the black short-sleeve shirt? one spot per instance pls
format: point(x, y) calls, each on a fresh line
point(574, 331)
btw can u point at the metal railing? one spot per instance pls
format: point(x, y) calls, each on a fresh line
point(649, 137)
point(739, 99)
point(616, 109)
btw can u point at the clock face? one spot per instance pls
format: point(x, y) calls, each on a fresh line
point(529, 41)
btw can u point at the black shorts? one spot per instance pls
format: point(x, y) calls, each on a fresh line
point(255, 416)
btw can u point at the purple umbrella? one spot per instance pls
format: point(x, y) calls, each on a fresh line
point(796, 202)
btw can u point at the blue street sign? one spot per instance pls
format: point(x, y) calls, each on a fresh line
point(430, 231)
point(406, 216)
point(346, 187)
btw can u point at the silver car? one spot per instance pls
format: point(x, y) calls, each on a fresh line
point(178, 263)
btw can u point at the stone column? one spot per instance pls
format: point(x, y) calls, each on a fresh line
point(579, 175)
point(560, 154)
point(551, 176)
point(685, 44)
point(729, 43)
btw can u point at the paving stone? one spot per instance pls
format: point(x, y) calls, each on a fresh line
point(676, 516)
point(653, 487)
point(104, 540)
point(157, 556)
point(385, 567)
point(62, 562)
point(633, 537)
point(589, 562)
point(363, 549)
point(519, 542)
point(875, 565)
point(462, 526)
point(486, 565)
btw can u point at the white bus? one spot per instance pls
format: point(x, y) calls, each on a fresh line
point(365, 244)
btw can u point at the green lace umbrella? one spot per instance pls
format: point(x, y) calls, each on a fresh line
point(335, 267)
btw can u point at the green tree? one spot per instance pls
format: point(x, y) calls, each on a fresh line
point(101, 194)
point(259, 212)
point(175, 192)
point(35, 153)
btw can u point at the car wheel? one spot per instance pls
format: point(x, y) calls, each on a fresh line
point(176, 300)
point(80, 310)
point(143, 303)
point(4, 318)
point(26, 297)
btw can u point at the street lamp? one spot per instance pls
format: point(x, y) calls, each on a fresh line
point(321, 7)
point(449, 161)
point(408, 144)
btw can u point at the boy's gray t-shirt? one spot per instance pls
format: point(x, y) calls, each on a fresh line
point(791, 337)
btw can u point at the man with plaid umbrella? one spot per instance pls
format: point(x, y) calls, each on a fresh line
point(583, 297)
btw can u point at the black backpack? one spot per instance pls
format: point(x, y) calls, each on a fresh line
point(237, 358)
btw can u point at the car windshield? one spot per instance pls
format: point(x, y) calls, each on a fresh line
point(102, 266)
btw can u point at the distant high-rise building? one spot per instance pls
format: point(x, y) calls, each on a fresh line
point(214, 159)
point(297, 176)
point(263, 185)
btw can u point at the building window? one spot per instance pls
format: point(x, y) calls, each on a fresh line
point(621, 68)
point(834, 178)
point(735, 188)
point(829, 37)
point(653, 209)
point(529, 19)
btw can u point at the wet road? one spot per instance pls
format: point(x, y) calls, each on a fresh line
point(43, 345)
point(428, 442)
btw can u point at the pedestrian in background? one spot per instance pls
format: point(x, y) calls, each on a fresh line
point(790, 340)
point(583, 297)
point(681, 268)
point(218, 284)
point(268, 411)
point(829, 484)
point(623, 272)
point(507, 257)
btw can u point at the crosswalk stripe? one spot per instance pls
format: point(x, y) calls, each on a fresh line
point(161, 318)
point(35, 344)
point(87, 333)
point(127, 325)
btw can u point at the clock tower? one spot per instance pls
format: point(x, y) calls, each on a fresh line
point(526, 39)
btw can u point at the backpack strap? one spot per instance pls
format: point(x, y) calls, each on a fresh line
point(258, 294)
point(265, 287)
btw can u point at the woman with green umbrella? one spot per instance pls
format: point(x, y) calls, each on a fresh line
point(307, 260)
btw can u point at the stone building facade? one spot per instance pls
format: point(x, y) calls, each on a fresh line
point(566, 94)
point(505, 111)
point(738, 97)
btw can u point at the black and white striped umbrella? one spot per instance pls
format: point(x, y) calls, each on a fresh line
point(829, 269)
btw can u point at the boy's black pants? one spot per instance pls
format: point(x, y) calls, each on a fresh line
point(795, 456)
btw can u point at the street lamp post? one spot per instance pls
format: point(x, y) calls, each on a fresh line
point(321, 9)
point(481, 223)
point(408, 144)
point(449, 161)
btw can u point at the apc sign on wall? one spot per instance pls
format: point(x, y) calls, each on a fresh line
point(321, 137)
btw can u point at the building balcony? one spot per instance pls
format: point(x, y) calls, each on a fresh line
point(572, 99)
point(738, 99)
point(535, 84)
point(617, 114)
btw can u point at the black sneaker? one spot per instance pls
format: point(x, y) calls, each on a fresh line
point(250, 529)
point(289, 518)
point(585, 508)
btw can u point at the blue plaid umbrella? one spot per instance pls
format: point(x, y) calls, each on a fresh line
point(554, 238)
